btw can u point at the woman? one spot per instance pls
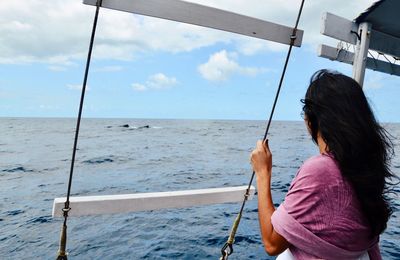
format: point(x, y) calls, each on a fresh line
point(336, 206)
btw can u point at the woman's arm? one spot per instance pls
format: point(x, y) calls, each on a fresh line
point(261, 159)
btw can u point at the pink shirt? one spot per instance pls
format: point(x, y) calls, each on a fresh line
point(321, 216)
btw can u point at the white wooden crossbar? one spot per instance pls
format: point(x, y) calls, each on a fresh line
point(110, 204)
point(348, 57)
point(341, 29)
point(192, 13)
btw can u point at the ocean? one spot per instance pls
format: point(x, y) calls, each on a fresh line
point(118, 156)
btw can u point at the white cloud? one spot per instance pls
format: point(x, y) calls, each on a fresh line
point(108, 69)
point(156, 81)
point(51, 34)
point(159, 80)
point(221, 65)
point(58, 31)
point(138, 87)
point(77, 87)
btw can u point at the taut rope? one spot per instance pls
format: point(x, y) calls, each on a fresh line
point(227, 249)
point(62, 254)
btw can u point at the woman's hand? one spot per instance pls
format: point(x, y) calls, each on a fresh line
point(261, 159)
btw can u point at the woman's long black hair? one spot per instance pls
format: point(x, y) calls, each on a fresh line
point(336, 107)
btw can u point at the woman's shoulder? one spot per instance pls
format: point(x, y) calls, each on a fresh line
point(320, 168)
point(320, 161)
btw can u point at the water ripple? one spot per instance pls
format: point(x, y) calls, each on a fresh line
point(99, 160)
point(39, 220)
point(14, 212)
point(17, 169)
point(184, 155)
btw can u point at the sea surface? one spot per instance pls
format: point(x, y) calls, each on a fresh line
point(118, 156)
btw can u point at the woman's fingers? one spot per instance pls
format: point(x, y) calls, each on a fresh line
point(266, 146)
point(261, 157)
point(260, 145)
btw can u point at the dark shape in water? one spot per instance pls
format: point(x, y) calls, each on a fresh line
point(140, 127)
point(14, 212)
point(17, 169)
point(41, 219)
point(98, 160)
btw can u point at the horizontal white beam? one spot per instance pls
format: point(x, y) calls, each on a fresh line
point(192, 13)
point(348, 57)
point(331, 53)
point(340, 28)
point(110, 204)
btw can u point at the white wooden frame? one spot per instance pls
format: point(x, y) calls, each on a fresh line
point(341, 29)
point(192, 13)
point(111, 204)
point(364, 38)
point(361, 53)
point(196, 14)
point(348, 57)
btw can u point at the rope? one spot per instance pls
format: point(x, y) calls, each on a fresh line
point(62, 254)
point(373, 58)
point(227, 249)
point(391, 64)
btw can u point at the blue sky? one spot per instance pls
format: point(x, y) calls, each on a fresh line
point(149, 68)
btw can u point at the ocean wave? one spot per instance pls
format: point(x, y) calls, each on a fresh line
point(215, 241)
point(7, 237)
point(390, 249)
point(51, 169)
point(145, 160)
point(14, 212)
point(247, 239)
point(41, 219)
point(99, 160)
point(17, 169)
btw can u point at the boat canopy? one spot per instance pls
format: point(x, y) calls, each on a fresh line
point(383, 16)
point(377, 29)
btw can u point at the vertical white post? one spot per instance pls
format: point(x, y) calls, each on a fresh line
point(361, 54)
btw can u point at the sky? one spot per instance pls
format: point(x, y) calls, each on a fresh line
point(145, 67)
